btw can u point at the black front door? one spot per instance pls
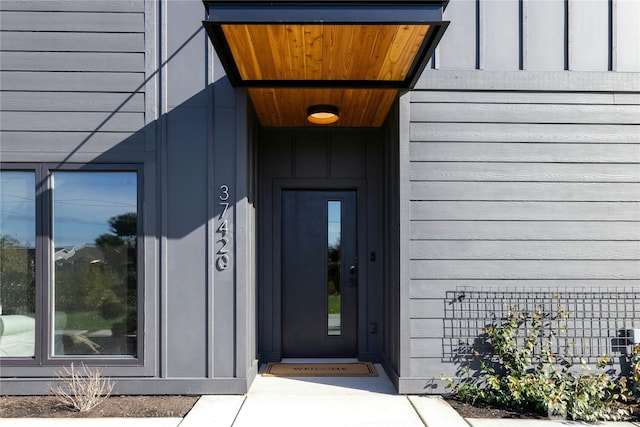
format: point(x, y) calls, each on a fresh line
point(319, 274)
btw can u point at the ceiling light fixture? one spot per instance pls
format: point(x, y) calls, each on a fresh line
point(322, 114)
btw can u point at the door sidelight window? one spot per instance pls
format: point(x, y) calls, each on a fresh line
point(334, 267)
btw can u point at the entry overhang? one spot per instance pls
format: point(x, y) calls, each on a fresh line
point(357, 55)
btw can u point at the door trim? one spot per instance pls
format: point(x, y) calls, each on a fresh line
point(359, 185)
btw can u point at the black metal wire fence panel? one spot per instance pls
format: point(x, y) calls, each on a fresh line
point(587, 322)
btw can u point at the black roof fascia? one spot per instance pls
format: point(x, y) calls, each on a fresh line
point(217, 37)
point(333, 12)
point(314, 12)
point(442, 3)
point(348, 12)
point(425, 53)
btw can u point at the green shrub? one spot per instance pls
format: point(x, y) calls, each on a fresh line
point(634, 370)
point(523, 369)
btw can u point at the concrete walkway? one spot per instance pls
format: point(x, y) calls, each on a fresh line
point(310, 402)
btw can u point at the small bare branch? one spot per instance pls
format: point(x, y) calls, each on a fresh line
point(82, 389)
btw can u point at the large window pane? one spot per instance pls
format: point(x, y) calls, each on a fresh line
point(95, 257)
point(17, 263)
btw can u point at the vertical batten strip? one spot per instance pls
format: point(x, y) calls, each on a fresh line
point(524, 34)
point(613, 23)
point(163, 298)
point(570, 35)
point(566, 35)
point(520, 34)
point(610, 34)
point(479, 35)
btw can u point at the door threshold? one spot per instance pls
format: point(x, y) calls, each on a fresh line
point(318, 360)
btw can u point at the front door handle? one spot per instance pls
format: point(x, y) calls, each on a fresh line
point(353, 274)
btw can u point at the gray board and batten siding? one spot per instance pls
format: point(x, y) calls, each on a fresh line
point(521, 181)
point(119, 82)
point(540, 35)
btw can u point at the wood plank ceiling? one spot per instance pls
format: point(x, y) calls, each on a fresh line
point(287, 107)
point(322, 53)
point(289, 66)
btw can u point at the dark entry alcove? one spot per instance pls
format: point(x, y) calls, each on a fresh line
point(329, 160)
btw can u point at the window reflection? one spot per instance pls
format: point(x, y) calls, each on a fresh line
point(95, 257)
point(17, 264)
point(334, 267)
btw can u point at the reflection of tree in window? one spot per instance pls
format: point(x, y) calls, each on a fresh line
point(119, 250)
point(97, 288)
point(17, 264)
point(334, 259)
point(17, 277)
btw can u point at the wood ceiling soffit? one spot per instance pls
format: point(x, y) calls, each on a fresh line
point(357, 55)
point(327, 52)
point(286, 107)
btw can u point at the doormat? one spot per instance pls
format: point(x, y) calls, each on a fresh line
point(352, 369)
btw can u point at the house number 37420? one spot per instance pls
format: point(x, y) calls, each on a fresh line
point(223, 258)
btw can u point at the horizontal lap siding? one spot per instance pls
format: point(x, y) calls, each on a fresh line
point(541, 133)
point(72, 101)
point(72, 42)
point(525, 113)
point(524, 250)
point(72, 81)
point(518, 191)
point(73, 77)
point(530, 230)
point(73, 5)
point(526, 191)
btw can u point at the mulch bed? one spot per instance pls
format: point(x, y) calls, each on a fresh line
point(467, 410)
point(484, 411)
point(114, 406)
